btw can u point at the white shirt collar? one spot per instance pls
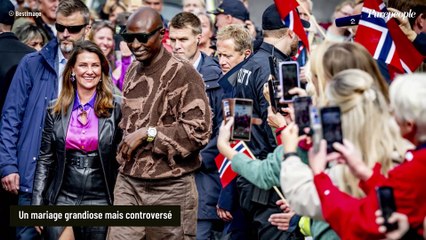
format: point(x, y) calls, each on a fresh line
point(61, 56)
point(61, 66)
point(197, 62)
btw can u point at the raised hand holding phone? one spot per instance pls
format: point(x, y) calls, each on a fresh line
point(318, 160)
point(301, 107)
point(353, 158)
point(399, 218)
point(243, 110)
point(224, 138)
point(289, 79)
point(387, 206)
point(331, 126)
point(290, 138)
point(275, 120)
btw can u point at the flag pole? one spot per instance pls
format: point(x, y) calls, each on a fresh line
point(313, 19)
point(275, 187)
point(281, 195)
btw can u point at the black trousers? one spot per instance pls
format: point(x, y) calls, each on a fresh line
point(7, 199)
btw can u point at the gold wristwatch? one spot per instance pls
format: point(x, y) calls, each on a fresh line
point(151, 132)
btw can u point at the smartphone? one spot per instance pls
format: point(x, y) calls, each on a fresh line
point(316, 127)
point(289, 78)
point(272, 85)
point(226, 108)
point(272, 96)
point(243, 110)
point(301, 113)
point(387, 205)
point(331, 125)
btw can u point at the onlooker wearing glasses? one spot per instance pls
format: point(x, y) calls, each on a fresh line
point(35, 83)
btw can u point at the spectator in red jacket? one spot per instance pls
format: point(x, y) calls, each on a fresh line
point(354, 218)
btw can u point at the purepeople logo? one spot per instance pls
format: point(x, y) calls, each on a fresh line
point(388, 15)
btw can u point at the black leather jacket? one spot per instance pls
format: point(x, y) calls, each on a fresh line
point(51, 163)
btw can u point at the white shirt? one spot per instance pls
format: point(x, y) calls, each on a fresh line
point(197, 62)
point(61, 66)
point(53, 28)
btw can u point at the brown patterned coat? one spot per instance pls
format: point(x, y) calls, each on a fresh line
point(170, 96)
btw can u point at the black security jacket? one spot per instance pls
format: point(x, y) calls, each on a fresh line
point(51, 162)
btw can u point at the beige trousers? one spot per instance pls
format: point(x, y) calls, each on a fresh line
point(177, 191)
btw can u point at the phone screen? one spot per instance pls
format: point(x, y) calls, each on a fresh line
point(243, 110)
point(331, 126)
point(316, 126)
point(387, 205)
point(226, 109)
point(301, 112)
point(272, 96)
point(289, 78)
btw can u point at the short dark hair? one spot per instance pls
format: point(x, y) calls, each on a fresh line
point(186, 19)
point(69, 7)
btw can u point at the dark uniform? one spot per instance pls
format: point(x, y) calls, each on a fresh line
point(259, 204)
point(207, 177)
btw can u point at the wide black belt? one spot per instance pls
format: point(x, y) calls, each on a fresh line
point(84, 160)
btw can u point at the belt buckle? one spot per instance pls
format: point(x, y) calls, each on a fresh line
point(79, 163)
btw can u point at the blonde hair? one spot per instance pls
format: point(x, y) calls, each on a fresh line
point(316, 80)
point(366, 122)
point(329, 58)
point(407, 93)
point(342, 56)
point(239, 34)
point(201, 2)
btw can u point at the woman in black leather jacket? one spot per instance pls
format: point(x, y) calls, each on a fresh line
point(77, 164)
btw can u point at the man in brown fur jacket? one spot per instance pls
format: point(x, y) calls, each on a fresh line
point(166, 122)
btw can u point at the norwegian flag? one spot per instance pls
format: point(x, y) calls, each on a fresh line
point(385, 41)
point(290, 17)
point(226, 173)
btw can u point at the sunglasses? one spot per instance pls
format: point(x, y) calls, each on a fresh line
point(71, 29)
point(141, 37)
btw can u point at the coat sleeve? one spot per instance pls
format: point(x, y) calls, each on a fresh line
point(228, 197)
point(12, 116)
point(347, 215)
point(46, 161)
point(298, 187)
point(420, 43)
point(192, 127)
point(373, 181)
point(262, 173)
